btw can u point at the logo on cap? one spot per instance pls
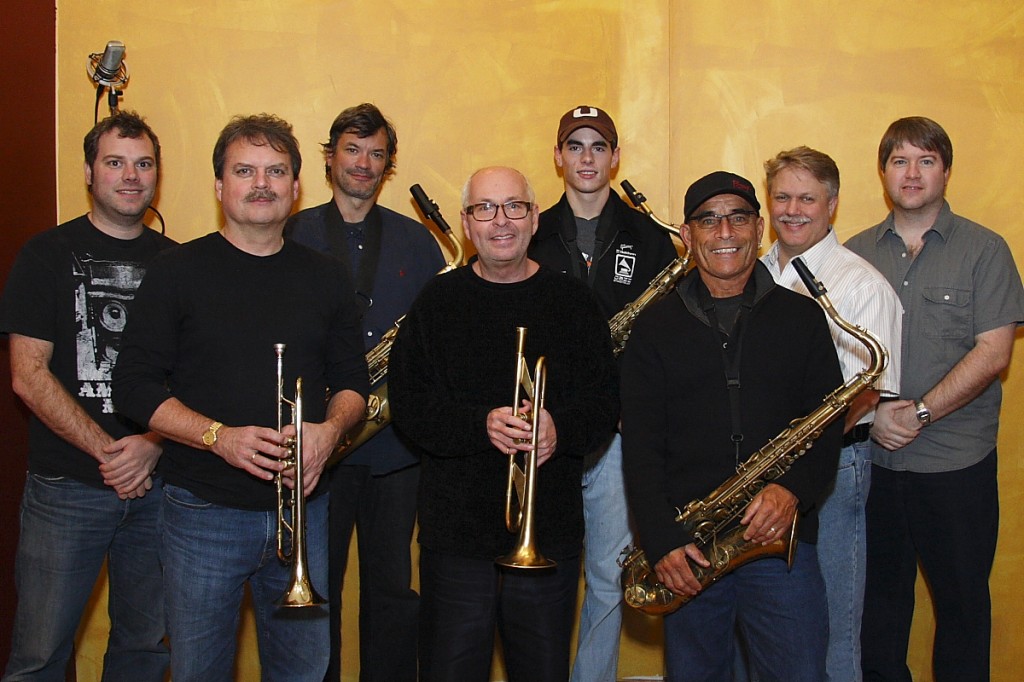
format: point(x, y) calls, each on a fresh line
point(585, 112)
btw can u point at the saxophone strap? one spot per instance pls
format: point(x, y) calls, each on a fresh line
point(731, 353)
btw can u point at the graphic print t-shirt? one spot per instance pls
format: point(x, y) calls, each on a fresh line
point(73, 286)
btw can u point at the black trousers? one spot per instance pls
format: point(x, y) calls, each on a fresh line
point(949, 522)
point(383, 511)
point(464, 599)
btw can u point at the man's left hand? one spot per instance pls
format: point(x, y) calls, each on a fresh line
point(132, 460)
point(318, 443)
point(769, 515)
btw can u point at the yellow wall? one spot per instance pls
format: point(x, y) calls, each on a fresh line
point(694, 86)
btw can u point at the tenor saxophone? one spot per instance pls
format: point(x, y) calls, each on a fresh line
point(711, 521)
point(378, 409)
point(622, 323)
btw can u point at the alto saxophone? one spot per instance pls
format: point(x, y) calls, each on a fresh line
point(378, 409)
point(711, 520)
point(622, 323)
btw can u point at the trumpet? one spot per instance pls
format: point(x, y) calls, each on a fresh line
point(300, 590)
point(523, 478)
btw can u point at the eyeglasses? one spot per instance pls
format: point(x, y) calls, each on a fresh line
point(484, 211)
point(710, 221)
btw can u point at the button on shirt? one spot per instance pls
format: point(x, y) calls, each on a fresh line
point(963, 282)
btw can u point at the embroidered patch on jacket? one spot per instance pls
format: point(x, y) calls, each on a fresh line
point(625, 262)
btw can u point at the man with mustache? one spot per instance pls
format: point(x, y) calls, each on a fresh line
point(712, 372)
point(592, 235)
point(389, 257)
point(934, 491)
point(452, 379)
point(803, 192)
point(91, 494)
point(199, 367)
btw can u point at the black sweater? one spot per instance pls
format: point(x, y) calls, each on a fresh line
point(676, 427)
point(454, 361)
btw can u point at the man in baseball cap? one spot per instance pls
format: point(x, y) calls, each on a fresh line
point(592, 235)
point(729, 359)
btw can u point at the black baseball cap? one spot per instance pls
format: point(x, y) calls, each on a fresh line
point(713, 184)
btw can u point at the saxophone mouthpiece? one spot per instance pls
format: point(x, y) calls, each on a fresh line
point(814, 286)
point(636, 198)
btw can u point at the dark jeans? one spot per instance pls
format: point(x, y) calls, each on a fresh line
point(949, 522)
point(780, 614)
point(383, 510)
point(462, 601)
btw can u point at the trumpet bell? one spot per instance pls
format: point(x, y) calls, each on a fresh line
point(524, 556)
point(300, 593)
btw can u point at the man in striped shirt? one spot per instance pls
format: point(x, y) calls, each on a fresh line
point(803, 190)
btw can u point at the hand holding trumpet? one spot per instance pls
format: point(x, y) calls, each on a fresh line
point(509, 432)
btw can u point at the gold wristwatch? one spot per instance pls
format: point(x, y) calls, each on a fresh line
point(210, 437)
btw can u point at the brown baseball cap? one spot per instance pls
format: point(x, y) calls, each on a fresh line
point(587, 117)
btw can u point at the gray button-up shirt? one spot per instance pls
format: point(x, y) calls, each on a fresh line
point(962, 283)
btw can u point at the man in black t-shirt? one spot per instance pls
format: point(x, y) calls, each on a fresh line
point(90, 494)
point(199, 366)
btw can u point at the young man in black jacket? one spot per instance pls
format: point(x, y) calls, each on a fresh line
point(593, 236)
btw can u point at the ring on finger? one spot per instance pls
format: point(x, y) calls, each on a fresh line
point(253, 458)
point(771, 530)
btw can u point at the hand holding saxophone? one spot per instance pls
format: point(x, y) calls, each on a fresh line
point(769, 515)
point(509, 431)
point(674, 572)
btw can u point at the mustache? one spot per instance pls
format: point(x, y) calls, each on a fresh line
point(261, 195)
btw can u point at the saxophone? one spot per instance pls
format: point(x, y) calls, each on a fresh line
point(622, 323)
point(378, 409)
point(711, 520)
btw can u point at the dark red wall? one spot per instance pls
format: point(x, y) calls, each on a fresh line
point(28, 195)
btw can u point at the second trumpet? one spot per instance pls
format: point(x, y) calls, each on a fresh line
point(522, 478)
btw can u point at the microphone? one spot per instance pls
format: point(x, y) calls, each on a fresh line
point(109, 68)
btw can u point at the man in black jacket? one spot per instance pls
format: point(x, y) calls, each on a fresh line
point(593, 236)
point(711, 373)
point(389, 258)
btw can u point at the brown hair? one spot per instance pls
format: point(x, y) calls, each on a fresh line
point(258, 129)
point(919, 131)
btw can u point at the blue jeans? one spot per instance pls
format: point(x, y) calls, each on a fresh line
point(607, 533)
point(383, 508)
point(67, 530)
point(781, 616)
point(209, 552)
point(842, 543)
point(461, 601)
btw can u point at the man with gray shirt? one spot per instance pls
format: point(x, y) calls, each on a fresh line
point(934, 494)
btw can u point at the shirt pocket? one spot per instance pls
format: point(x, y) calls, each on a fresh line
point(946, 313)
